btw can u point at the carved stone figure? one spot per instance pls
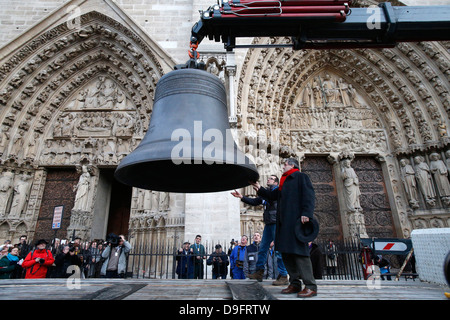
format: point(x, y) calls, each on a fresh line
point(440, 173)
point(21, 192)
point(351, 186)
point(6, 180)
point(331, 92)
point(32, 146)
point(409, 182)
point(4, 139)
point(423, 175)
point(447, 161)
point(17, 145)
point(82, 188)
point(164, 201)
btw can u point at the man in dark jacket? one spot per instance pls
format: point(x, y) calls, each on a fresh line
point(296, 200)
point(270, 219)
point(185, 260)
point(219, 260)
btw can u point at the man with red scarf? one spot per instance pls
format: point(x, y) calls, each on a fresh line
point(296, 200)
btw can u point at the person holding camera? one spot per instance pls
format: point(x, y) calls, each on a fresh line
point(237, 259)
point(116, 257)
point(64, 260)
point(219, 260)
point(185, 262)
point(38, 261)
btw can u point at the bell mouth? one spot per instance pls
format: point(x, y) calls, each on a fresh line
point(165, 175)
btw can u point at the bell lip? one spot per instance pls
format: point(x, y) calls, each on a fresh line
point(247, 172)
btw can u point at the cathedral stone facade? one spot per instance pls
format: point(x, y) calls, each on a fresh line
point(77, 82)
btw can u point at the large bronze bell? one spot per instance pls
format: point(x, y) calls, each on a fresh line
point(188, 146)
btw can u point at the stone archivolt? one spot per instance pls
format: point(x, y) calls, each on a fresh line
point(73, 96)
point(407, 88)
point(389, 103)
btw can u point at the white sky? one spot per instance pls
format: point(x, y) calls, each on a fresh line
point(425, 2)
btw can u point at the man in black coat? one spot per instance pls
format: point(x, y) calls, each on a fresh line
point(270, 219)
point(296, 200)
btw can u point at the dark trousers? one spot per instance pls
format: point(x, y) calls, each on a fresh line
point(198, 270)
point(299, 268)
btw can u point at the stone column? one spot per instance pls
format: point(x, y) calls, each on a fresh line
point(397, 199)
point(230, 69)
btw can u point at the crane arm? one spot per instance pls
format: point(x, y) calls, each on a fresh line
point(320, 24)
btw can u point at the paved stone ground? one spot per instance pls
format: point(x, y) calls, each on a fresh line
point(155, 289)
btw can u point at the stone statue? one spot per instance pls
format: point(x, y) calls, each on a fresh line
point(6, 180)
point(409, 182)
point(21, 192)
point(4, 139)
point(154, 201)
point(447, 161)
point(82, 189)
point(163, 201)
point(351, 186)
point(440, 174)
point(423, 175)
point(331, 91)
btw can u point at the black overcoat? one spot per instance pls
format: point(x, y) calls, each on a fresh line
point(296, 199)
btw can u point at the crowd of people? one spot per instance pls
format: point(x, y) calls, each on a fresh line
point(64, 258)
point(237, 263)
point(289, 223)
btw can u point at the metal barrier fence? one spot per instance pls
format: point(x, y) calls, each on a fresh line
point(341, 260)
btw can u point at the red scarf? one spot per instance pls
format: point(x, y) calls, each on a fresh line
point(285, 175)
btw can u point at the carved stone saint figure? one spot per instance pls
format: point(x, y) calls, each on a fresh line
point(447, 161)
point(351, 186)
point(82, 189)
point(21, 191)
point(423, 175)
point(409, 182)
point(440, 172)
point(330, 89)
point(6, 180)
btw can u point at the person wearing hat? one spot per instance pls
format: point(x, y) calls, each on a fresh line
point(185, 262)
point(295, 226)
point(38, 261)
point(219, 260)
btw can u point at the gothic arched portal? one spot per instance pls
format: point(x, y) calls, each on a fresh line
point(379, 105)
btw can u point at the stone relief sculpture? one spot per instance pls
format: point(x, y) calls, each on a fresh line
point(82, 189)
point(409, 182)
point(351, 186)
point(423, 176)
point(21, 193)
point(4, 139)
point(6, 187)
point(447, 161)
point(440, 174)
